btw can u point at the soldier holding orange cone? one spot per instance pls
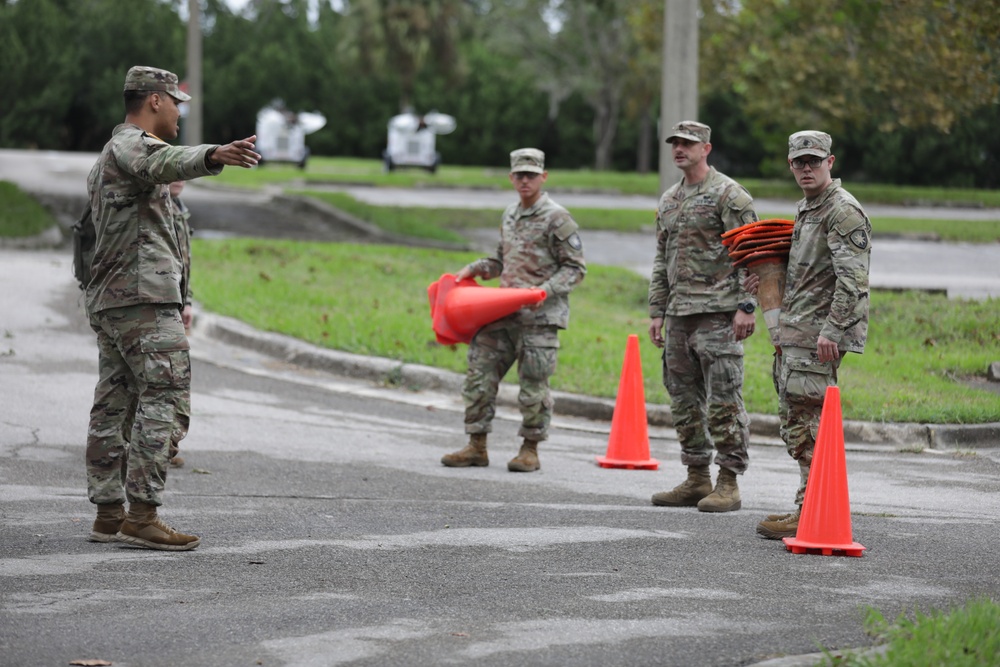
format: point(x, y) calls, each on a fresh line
point(824, 310)
point(540, 248)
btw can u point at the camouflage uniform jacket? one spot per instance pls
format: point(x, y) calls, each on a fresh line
point(539, 247)
point(826, 289)
point(137, 258)
point(181, 217)
point(692, 272)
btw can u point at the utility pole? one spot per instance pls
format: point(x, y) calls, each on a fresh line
point(679, 97)
point(192, 123)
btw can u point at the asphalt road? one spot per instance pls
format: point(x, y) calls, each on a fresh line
point(331, 535)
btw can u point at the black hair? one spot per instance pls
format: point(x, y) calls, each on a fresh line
point(134, 100)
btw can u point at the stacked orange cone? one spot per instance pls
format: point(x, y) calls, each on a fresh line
point(759, 241)
point(762, 247)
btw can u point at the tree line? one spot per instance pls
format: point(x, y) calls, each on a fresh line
point(908, 88)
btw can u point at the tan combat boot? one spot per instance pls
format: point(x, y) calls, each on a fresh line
point(143, 528)
point(687, 494)
point(725, 497)
point(473, 454)
point(526, 459)
point(782, 526)
point(107, 524)
point(175, 460)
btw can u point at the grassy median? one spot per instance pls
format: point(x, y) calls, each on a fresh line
point(923, 349)
point(20, 213)
point(372, 300)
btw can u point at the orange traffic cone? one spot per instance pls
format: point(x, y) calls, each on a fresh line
point(628, 445)
point(458, 311)
point(825, 522)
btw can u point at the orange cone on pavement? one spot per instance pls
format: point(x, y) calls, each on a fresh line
point(461, 308)
point(628, 445)
point(825, 521)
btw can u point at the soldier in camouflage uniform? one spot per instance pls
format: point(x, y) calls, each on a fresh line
point(697, 295)
point(134, 302)
point(824, 311)
point(181, 221)
point(181, 217)
point(539, 248)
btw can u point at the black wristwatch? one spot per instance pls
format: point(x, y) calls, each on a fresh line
point(747, 307)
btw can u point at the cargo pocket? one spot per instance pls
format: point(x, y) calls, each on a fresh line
point(807, 381)
point(166, 363)
point(538, 354)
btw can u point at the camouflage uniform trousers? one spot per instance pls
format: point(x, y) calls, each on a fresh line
point(492, 352)
point(801, 381)
point(703, 373)
point(145, 382)
point(181, 426)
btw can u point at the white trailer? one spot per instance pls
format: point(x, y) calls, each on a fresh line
point(411, 141)
point(281, 134)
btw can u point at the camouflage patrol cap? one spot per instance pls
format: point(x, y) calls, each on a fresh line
point(158, 80)
point(809, 142)
point(690, 130)
point(527, 159)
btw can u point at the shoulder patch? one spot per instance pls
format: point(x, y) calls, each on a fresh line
point(859, 238)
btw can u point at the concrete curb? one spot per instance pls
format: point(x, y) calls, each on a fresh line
point(415, 376)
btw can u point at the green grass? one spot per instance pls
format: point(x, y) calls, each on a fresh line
point(20, 214)
point(370, 172)
point(962, 637)
point(427, 223)
point(372, 300)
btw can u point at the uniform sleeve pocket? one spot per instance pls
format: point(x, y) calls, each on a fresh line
point(740, 200)
point(566, 229)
